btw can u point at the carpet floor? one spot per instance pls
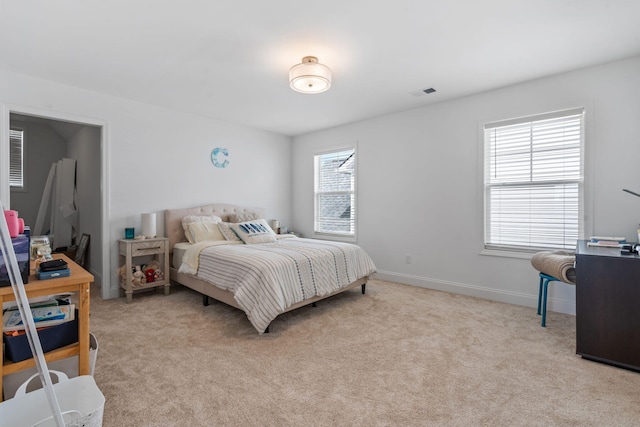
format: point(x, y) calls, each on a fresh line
point(396, 356)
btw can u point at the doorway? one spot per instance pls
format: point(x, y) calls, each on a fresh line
point(48, 138)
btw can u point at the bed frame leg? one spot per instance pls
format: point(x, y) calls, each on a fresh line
point(313, 304)
point(205, 300)
point(364, 286)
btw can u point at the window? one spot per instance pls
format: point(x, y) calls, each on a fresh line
point(534, 182)
point(335, 195)
point(16, 159)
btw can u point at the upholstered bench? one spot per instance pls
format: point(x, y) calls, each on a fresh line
point(556, 266)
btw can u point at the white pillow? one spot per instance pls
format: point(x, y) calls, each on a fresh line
point(190, 219)
point(204, 230)
point(243, 216)
point(228, 233)
point(257, 231)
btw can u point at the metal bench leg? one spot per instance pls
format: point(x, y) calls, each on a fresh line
point(544, 302)
point(540, 295)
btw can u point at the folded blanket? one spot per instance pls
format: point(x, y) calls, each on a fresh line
point(558, 264)
point(191, 258)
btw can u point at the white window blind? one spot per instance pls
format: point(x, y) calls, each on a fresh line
point(335, 195)
point(16, 158)
point(534, 182)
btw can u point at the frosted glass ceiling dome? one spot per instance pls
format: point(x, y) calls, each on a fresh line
point(310, 76)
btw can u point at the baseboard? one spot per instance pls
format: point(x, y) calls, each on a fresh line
point(501, 295)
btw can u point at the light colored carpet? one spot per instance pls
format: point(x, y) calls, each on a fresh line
point(397, 356)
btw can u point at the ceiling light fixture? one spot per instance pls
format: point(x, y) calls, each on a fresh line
point(310, 76)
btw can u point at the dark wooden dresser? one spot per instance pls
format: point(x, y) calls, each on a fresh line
point(608, 306)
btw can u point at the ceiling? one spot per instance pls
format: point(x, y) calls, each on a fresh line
point(229, 59)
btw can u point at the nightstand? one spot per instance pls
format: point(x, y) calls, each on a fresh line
point(129, 249)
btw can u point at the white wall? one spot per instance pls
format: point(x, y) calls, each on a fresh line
point(159, 158)
point(420, 181)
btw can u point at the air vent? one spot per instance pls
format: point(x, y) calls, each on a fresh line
point(422, 92)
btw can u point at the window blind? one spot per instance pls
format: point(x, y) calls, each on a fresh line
point(534, 182)
point(335, 207)
point(16, 158)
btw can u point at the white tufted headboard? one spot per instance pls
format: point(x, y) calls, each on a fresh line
point(173, 218)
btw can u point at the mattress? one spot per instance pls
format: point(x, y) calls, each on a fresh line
point(178, 253)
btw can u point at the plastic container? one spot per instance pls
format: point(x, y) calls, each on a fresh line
point(12, 222)
point(81, 404)
point(68, 365)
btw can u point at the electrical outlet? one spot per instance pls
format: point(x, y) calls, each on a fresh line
point(408, 259)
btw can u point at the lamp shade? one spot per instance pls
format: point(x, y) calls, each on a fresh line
point(310, 76)
point(149, 225)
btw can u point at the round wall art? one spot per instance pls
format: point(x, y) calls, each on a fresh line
point(219, 157)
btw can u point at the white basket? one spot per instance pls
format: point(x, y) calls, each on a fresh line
point(68, 365)
point(81, 403)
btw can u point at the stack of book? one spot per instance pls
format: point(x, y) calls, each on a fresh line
point(57, 326)
point(53, 269)
point(608, 242)
point(48, 311)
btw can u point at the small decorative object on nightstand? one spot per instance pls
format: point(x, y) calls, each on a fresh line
point(129, 249)
point(149, 225)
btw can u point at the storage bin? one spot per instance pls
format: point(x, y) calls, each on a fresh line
point(81, 403)
point(69, 366)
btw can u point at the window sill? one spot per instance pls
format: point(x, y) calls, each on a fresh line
point(507, 254)
point(335, 237)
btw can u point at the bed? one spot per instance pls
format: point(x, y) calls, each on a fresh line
point(264, 279)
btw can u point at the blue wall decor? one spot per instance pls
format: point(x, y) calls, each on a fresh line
point(218, 157)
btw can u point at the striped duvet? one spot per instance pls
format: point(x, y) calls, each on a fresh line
point(268, 278)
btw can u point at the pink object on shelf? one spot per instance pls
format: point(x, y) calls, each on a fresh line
point(12, 223)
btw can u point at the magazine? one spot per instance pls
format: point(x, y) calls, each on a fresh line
point(42, 316)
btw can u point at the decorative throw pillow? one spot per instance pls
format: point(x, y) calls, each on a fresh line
point(227, 232)
point(190, 219)
point(204, 230)
point(243, 216)
point(256, 231)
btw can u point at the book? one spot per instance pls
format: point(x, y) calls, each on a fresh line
point(607, 241)
point(42, 316)
point(43, 275)
point(47, 300)
point(597, 239)
point(606, 244)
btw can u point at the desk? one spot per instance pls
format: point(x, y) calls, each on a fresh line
point(78, 281)
point(608, 306)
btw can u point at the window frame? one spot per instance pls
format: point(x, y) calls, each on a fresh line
point(525, 251)
point(12, 186)
point(347, 237)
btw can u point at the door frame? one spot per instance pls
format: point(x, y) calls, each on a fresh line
point(5, 190)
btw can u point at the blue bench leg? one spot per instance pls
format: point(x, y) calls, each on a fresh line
point(540, 295)
point(544, 303)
